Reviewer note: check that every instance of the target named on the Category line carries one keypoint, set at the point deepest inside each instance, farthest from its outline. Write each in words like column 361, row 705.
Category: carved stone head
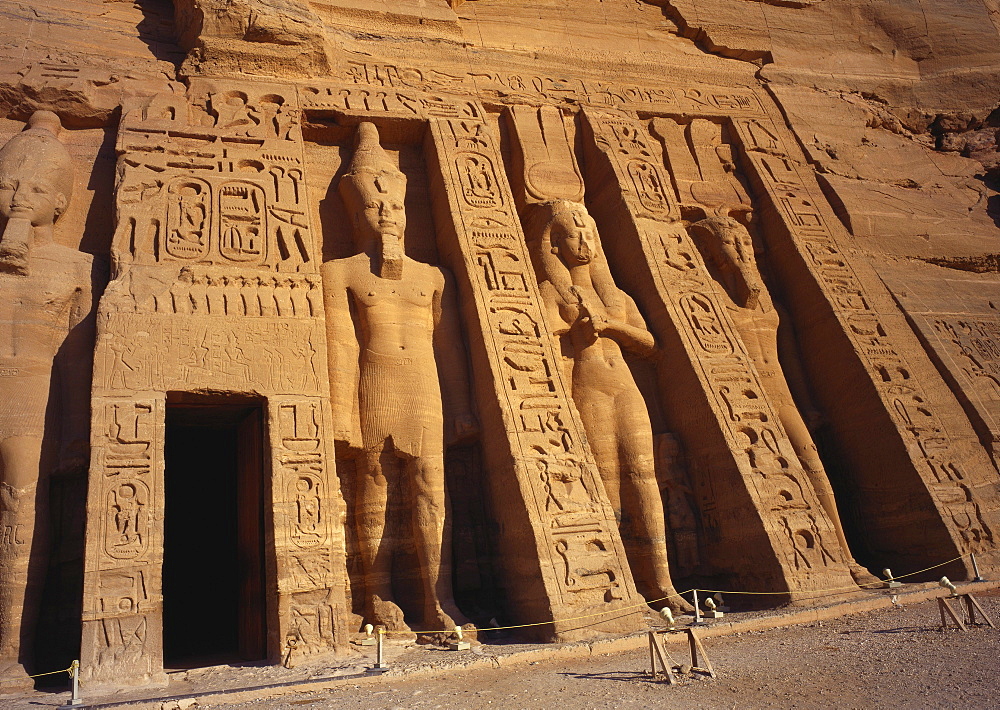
column 726, row 238
column 726, row 243
column 572, row 233
column 36, row 172
column 373, row 190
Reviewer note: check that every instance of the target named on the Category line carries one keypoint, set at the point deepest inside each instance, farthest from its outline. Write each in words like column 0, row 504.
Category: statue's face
column 26, row 195
column 737, row 239
column 575, row 233
column 381, row 209
column 384, row 215
column 732, row 240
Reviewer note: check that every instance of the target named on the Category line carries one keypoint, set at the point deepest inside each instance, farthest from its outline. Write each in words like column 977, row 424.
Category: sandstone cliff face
column 726, row 268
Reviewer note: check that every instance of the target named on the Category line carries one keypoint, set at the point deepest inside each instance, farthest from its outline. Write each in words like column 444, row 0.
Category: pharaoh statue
column 596, row 320
column 728, row 248
column 397, row 365
column 46, row 340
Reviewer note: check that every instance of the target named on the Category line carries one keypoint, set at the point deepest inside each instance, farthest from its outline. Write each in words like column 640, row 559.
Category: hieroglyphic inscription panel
column 550, row 470
column 368, row 89
column 122, row 621
column 214, row 177
column 308, row 523
column 396, row 88
column 968, row 346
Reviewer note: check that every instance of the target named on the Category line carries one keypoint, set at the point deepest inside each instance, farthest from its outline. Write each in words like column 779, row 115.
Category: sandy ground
column 891, row 658
column 894, row 658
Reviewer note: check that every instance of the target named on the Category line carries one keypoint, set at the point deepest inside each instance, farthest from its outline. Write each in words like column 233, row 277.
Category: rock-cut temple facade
column 437, row 313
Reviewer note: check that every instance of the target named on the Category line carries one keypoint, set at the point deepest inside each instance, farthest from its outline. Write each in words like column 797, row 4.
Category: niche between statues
column 469, row 534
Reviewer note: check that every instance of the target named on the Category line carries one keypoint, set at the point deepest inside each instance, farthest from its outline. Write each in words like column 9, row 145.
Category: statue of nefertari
column 395, row 348
column 728, row 248
column 596, row 320
column 46, row 345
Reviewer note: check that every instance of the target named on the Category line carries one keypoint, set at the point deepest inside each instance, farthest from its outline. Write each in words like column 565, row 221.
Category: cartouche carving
column 392, row 326
column 44, row 312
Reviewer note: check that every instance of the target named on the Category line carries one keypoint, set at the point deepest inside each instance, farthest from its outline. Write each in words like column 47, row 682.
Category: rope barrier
column 681, row 595
column 37, row 675
column 843, row 589
column 604, row 613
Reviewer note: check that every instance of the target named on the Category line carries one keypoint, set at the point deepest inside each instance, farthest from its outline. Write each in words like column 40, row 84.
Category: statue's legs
column 643, row 517
column 617, row 425
column 22, row 549
column 378, row 469
column 426, row 478
column 805, row 450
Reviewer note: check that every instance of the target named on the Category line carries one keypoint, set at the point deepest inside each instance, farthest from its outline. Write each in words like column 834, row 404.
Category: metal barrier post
column 975, row 568
column 74, row 675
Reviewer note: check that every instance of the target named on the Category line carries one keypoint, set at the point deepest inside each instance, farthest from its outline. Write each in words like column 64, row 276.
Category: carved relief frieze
column 367, row 100
column 555, row 472
column 214, row 177
column 142, row 352
column 398, row 91
column 951, row 478
column 201, row 290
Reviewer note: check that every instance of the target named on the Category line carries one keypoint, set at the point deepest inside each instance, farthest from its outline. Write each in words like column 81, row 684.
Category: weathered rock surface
column 421, row 313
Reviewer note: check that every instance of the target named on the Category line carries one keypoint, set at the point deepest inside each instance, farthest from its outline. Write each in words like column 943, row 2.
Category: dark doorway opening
column 214, row 601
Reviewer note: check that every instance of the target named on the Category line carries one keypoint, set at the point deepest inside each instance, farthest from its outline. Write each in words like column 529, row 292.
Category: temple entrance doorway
column 214, row 601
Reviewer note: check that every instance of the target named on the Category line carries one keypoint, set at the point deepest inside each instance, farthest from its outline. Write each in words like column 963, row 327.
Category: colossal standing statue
column 729, row 250
column 394, row 346
column 596, row 320
column 45, row 351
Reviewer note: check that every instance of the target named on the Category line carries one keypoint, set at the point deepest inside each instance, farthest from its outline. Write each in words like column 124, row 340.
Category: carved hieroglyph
column 44, row 329
column 215, row 287
column 596, row 321
column 774, row 497
column 385, row 389
column 561, row 549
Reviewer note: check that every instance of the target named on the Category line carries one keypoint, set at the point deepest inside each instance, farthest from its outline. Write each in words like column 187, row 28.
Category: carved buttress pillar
column 926, row 491
column 562, row 554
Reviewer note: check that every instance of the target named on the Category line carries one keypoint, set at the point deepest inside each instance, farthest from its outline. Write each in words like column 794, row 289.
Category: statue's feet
column 863, row 577
column 14, row 678
column 671, row 599
column 387, row 614
column 441, row 620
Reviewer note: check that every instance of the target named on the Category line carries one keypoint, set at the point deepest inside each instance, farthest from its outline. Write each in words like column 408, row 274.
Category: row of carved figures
column 396, row 355
column 214, row 294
